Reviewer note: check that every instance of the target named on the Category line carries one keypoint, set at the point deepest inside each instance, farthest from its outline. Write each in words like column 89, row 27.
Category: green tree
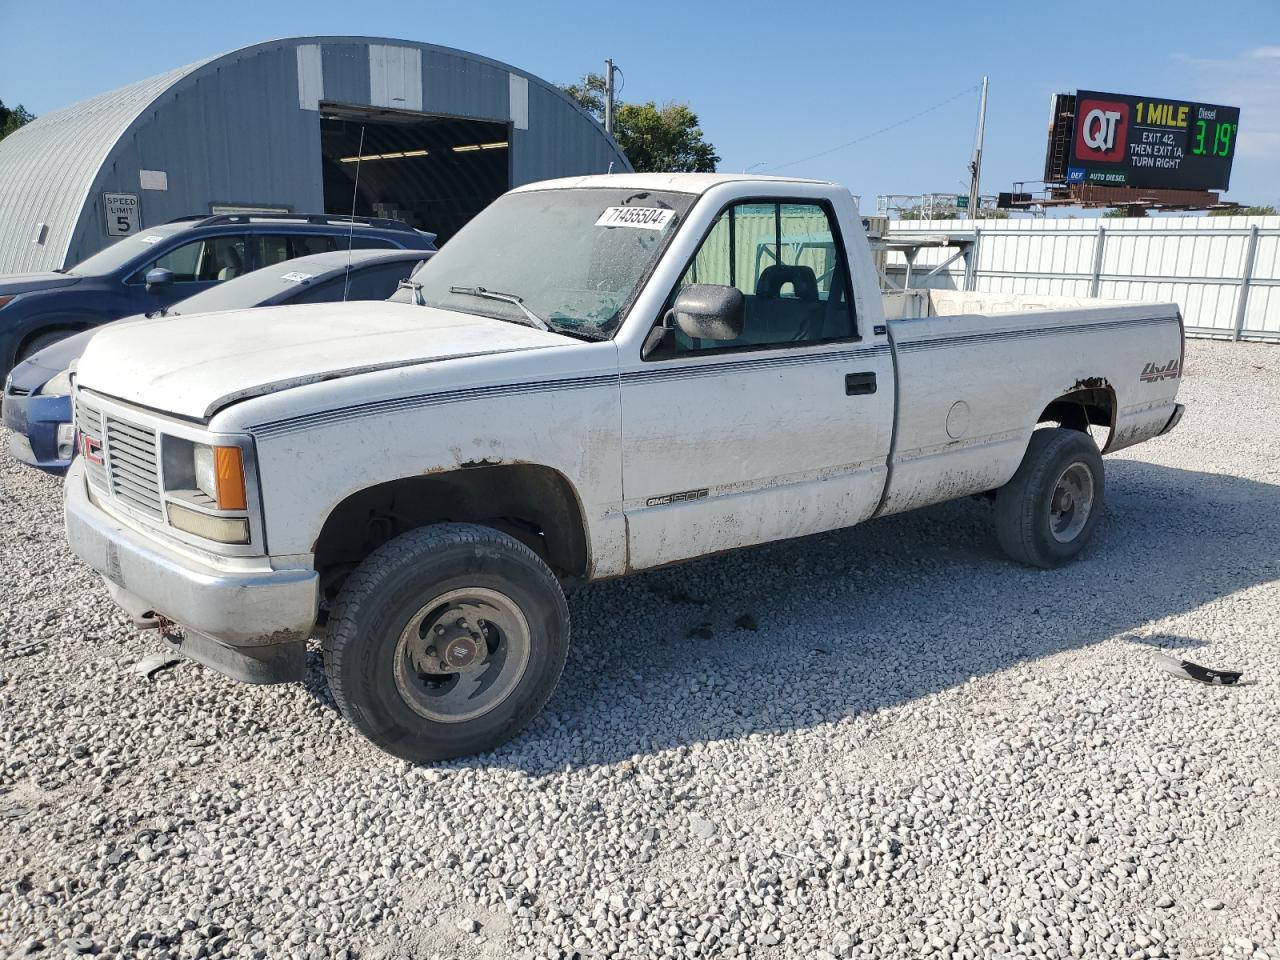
column 589, row 94
column 1264, row 211
column 656, row 139
column 12, row 119
column 664, row 139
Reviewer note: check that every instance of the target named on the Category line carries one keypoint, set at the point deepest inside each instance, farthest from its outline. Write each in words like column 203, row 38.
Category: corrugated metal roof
column 48, row 166
column 242, row 127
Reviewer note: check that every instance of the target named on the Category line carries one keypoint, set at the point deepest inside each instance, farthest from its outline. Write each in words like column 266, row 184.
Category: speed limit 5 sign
column 120, row 210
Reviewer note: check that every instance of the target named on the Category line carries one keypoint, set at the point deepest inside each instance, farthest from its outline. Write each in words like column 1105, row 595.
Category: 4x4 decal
column 1154, row 372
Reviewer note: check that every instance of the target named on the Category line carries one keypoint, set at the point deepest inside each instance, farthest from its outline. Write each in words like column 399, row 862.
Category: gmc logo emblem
column 92, row 449
column 1102, row 127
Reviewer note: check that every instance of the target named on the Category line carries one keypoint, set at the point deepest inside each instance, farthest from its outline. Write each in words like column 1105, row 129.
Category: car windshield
column 250, row 290
column 574, row 257
column 112, row 258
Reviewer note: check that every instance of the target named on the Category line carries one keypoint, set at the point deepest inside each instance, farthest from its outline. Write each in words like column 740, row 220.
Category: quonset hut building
column 278, row 127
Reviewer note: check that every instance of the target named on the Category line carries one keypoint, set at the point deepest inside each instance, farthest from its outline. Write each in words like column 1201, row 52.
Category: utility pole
column 608, row 96
column 975, row 165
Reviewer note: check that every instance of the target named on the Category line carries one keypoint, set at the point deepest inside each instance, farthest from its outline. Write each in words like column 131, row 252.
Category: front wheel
column 446, row 641
column 1046, row 513
column 39, row 342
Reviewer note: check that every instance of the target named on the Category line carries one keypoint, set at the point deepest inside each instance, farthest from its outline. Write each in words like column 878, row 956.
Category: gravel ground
column 882, row 742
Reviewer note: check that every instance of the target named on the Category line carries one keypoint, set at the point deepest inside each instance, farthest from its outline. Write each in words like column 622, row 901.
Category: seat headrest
column 802, row 279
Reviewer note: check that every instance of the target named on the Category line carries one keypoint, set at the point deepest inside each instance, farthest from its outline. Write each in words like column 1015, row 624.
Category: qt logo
column 1102, row 127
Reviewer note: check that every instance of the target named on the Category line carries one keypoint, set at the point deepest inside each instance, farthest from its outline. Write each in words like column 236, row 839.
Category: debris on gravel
column 983, row 760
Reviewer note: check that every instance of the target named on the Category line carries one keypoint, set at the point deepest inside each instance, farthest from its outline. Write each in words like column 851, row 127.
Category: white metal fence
column 1224, row 272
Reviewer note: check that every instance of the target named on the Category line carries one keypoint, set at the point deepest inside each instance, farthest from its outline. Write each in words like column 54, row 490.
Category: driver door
column 196, row 266
column 781, row 432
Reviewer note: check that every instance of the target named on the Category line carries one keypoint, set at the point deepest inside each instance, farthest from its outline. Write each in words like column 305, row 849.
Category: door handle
column 859, row 383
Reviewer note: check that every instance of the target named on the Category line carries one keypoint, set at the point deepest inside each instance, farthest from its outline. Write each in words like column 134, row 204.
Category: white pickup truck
column 595, row 377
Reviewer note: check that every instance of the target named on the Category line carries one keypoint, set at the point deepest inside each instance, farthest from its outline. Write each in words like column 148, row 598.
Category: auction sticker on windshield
column 296, row 276
column 646, row 218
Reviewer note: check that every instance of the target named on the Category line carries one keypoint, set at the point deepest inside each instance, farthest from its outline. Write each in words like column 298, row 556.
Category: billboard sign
column 1127, row 141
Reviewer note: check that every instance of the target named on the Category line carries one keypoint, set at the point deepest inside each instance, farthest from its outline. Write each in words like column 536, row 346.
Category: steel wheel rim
column 1071, row 502
column 436, row 689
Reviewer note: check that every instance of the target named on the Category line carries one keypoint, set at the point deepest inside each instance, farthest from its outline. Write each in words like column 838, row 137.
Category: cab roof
column 696, row 183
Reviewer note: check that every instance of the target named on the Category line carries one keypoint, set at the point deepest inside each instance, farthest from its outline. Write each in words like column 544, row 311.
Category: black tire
column 363, row 647
column 42, row 340
column 1024, row 516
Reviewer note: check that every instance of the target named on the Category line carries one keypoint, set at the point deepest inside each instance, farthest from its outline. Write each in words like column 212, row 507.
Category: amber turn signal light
column 228, row 472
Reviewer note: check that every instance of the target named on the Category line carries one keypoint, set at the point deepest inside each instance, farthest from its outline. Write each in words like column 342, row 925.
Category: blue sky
column 771, row 82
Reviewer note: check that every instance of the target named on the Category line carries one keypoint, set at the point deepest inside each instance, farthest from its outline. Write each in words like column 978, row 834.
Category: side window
column 275, row 248
column 787, row 261
column 211, row 259
column 272, row 249
column 304, row 245
column 366, row 243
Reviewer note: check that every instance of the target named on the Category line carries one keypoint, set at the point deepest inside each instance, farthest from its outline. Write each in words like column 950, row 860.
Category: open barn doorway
column 433, row 172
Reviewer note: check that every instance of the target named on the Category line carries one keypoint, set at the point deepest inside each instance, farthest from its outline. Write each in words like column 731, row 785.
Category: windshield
column 574, row 258
column 250, row 290
column 121, row 252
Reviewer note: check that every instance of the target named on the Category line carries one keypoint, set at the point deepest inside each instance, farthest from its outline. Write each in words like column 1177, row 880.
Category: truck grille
column 131, row 464
column 129, row 471
column 89, row 423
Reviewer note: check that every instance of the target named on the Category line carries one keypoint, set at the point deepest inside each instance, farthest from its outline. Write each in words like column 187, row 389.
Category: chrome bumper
column 251, row 625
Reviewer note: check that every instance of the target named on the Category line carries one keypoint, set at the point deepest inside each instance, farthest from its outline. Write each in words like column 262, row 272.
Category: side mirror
column 709, row 311
column 159, row 278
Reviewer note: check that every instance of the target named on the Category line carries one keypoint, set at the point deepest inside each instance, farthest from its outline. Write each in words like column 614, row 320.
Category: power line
column 875, row 133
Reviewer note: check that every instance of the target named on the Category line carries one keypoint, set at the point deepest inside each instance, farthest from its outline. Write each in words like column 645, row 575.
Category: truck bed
column 963, row 425
column 931, row 302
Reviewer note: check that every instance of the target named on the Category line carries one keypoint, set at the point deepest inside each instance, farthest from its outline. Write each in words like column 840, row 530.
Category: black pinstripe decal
column 377, row 408
column 663, row 372
column 1002, row 336
column 660, row 373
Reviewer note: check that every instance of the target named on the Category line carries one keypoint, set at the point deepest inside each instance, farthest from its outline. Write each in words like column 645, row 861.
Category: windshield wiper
column 534, row 319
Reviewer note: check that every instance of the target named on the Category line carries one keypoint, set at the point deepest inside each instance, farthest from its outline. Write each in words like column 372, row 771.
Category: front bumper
column 249, row 624
column 33, row 422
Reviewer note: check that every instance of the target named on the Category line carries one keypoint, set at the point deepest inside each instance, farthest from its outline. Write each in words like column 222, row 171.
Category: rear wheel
column 1046, row 513
column 446, row 641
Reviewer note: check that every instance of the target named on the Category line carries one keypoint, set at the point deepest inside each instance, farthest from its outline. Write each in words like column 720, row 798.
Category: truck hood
column 194, row 365
column 31, row 282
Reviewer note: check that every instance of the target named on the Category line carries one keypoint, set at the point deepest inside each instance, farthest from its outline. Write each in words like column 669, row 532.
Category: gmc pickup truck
column 595, row 377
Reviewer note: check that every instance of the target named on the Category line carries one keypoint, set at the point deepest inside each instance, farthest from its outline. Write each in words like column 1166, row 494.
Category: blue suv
column 161, row 265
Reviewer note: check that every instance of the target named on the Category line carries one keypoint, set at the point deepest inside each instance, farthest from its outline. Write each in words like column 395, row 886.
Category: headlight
column 222, row 529
column 206, row 481
column 205, row 489
column 59, row 386
column 219, row 473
